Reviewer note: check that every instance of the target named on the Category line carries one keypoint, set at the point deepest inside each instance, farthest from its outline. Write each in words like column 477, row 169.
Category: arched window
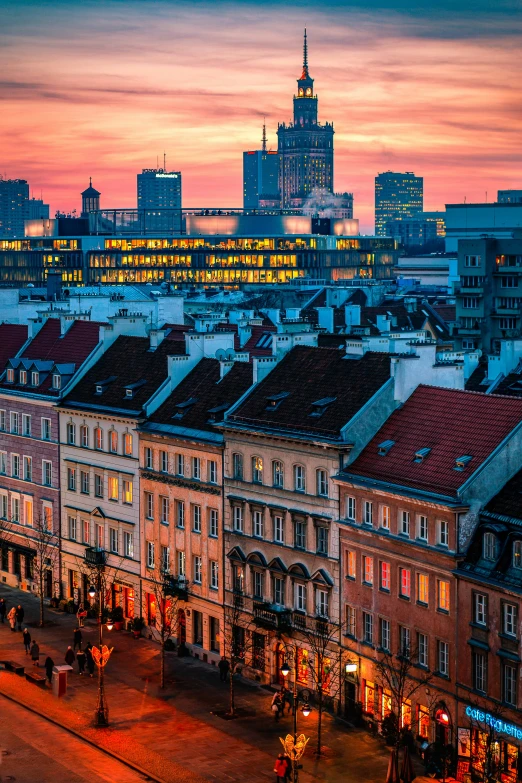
column 237, row 466
column 278, row 479
column 98, row 439
column 299, row 478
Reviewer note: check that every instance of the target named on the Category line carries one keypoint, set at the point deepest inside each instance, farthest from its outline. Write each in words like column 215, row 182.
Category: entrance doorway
column 48, row 583
column 182, row 627
column 349, row 699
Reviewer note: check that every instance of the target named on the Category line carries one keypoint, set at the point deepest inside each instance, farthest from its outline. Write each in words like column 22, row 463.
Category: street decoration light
column 294, row 745
column 101, row 653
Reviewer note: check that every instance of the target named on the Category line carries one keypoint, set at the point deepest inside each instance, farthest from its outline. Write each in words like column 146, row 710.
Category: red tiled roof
column 306, row 376
column 203, row 385
column 257, row 334
column 452, row 424
column 75, row 346
column 12, row 337
column 448, row 313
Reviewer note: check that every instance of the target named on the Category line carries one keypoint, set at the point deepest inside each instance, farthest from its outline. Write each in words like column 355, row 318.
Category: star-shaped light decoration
column 294, row 751
column 101, row 656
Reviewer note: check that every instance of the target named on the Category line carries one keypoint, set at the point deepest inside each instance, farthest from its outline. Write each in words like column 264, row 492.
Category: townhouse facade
column 284, row 442
column 409, row 507
column 181, row 468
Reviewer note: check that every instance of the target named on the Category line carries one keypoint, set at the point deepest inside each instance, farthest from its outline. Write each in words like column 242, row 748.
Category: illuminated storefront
column 488, row 747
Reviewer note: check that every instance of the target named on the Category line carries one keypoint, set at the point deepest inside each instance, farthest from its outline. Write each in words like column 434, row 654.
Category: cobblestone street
column 174, row 731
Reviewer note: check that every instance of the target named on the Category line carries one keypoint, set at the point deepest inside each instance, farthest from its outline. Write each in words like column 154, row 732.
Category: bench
column 12, row 666
column 36, row 677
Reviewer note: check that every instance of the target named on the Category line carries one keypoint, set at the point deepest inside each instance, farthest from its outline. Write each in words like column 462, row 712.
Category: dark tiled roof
column 448, row 313
column 175, row 331
column 327, row 340
column 260, row 344
column 129, row 360
column 308, row 375
column 508, row 502
column 203, row 385
column 474, row 382
column 358, row 298
column 399, row 313
column 511, row 385
column 12, row 337
column 452, row 424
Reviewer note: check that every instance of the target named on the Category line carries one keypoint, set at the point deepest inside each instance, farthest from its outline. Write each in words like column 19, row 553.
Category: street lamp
column 101, row 654
column 297, row 747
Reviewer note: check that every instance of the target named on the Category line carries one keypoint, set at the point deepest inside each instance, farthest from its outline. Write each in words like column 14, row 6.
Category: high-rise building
column 305, row 147
column 397, row 196
column 90, row 200
column 35, row 209
column 14, row 193
column 261, row 177
column 159, row 199
column 509, row 197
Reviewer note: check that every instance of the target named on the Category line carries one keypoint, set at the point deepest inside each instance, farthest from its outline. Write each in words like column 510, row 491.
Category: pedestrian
column 77, row 638
column 81, row 615
column 12, row 618
column 49, row 666
column 27, row 641
column 90, row 659
column 286, row 698
column 280, row 768
column 223, row 667
column 70, row 656
column 288, row 771
column 20, row 616
column 3, row 610
column 81, row 660
column 277, row 705
column 35, row 653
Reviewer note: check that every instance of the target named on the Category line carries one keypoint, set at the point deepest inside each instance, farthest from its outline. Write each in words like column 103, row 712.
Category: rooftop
column 128, row 365
column 203, row 396
column 445, row 422
column 12, row 338
column 314, row 390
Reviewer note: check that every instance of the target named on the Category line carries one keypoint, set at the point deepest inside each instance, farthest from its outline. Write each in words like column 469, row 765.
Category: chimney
column 224, row 367
column 156, row 338
column 54, row 285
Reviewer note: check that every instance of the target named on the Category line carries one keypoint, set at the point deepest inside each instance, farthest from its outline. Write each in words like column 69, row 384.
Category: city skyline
column 88, row 94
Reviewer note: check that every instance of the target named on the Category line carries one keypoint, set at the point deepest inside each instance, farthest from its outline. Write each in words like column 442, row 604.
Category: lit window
column 385, row 576
column 368, row 570
column 423, row 589
column 113, row 488
column 350, row 564
column 113, row 441
column 385, row 517
column 127, row 444
column 443, row 590
column 257, row 470
column 405, row 588
column 98, row 439
column 127, row 492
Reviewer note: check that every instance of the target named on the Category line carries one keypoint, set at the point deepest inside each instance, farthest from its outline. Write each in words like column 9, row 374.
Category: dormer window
column 132, row 388
column 275, row 400
column 35, row 378
column 57, row 381
column 99, row 388
column 217, row 413
column 129, row 393
column 461, row 463
column 23, row 377
column 384, row 447
column 421, row 455
column 320, row 406
column 517, row 554
column 10, row 376
column 489, row 549
column 183, row 407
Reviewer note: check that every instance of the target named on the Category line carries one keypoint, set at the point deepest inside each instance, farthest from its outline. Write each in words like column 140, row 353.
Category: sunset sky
column 102, row 87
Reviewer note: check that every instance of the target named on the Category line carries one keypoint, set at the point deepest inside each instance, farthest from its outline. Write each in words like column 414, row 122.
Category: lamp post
column 298, row 745
column 101, row 655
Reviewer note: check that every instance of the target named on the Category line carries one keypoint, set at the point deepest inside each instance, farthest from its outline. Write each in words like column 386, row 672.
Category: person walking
column 223, row 667
column 49, row 666
column 288, row 771
column 26, row 637
column 277, row 706
column 286, row 699
column 81, row 660
column 70, row 656
column 77, row 639
column 280, row 768
column 81, row 615
column 35, row 653
column 20, row 614
column 3, row 610
column 90, row 659
column 12, row 618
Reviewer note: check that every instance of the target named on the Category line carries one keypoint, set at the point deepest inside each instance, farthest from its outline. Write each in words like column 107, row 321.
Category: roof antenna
column 157, row 162
column 164, row 161
column 263, row 139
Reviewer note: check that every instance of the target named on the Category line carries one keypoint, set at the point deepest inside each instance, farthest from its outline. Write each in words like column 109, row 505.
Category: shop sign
column 496, row 723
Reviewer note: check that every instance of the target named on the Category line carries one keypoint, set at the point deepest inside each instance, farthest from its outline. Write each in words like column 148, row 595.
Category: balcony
column 95, row 556
column 176, row 587
column 272, row 617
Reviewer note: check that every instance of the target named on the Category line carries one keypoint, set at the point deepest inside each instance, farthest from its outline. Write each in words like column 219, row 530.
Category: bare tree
column 324, row 663
column 47, row 553
column 237, row 640
column 168, row 592
column 401, row 678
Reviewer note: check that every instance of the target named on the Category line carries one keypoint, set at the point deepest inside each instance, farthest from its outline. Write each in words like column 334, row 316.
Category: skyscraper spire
column 263, row 138
column 305, row 57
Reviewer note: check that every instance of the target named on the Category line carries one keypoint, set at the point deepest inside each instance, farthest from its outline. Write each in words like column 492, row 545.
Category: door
column 48, row 583
column 349, row 699
column 182, row 627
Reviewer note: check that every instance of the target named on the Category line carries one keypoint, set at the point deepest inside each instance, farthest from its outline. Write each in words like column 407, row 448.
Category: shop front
column 488, row 748
column 123, row 595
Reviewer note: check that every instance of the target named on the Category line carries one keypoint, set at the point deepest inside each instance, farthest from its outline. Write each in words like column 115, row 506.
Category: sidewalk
column 175, row 726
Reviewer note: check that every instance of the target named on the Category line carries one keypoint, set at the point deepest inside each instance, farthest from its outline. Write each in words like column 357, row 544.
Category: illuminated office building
column 397, row 196
column 305, row 147
column 159, row 189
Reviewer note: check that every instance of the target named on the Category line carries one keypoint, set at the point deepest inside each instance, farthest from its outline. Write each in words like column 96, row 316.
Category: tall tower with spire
column 305, row 146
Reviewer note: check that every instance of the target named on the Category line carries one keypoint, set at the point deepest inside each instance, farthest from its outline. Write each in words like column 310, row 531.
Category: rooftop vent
column 384, row 447
column 461, row 463
column 421, row 455
column 319, row 406
column 183, row 407
column 275, row 400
